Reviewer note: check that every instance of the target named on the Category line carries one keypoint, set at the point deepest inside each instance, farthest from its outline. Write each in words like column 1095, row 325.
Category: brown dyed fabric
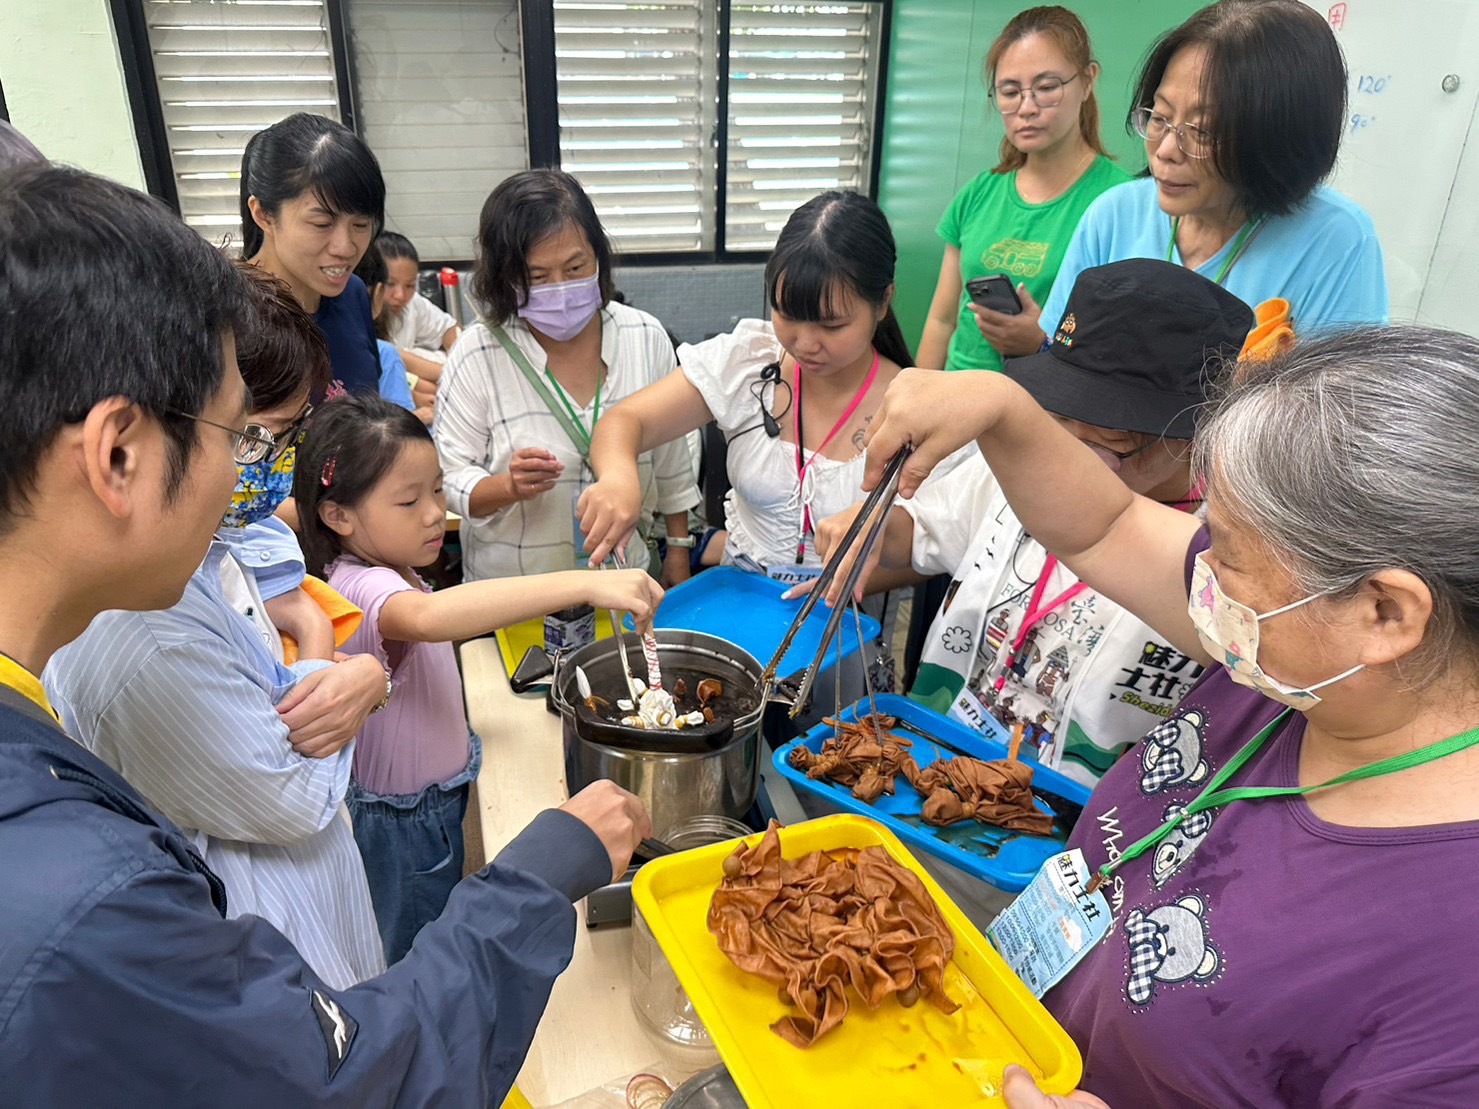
column 963, row 788
column 865, row 755
column 830, row 920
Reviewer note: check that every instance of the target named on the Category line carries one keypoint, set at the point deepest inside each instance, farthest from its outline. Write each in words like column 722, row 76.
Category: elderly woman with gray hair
column 1288, row 858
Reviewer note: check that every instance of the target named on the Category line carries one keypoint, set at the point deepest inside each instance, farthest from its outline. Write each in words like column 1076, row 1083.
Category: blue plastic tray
column 747, row 610
column 1007, row 860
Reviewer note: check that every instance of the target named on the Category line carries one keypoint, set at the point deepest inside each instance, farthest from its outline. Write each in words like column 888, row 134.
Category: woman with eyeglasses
column 1242, row 109
column 1016, row 219
column 198, row 707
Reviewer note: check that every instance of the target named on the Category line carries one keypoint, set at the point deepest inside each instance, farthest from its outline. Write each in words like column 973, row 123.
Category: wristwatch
column 680, row 540
column 385, row 700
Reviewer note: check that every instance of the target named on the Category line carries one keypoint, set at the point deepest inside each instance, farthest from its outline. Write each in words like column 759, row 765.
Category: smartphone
column 995, row 292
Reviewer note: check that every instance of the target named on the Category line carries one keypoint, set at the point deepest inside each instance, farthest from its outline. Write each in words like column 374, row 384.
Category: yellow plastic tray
column 892, row 1056
column 514, row 641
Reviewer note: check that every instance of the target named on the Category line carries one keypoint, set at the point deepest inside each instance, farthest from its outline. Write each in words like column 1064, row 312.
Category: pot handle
column 534, row 668
column 557, row 672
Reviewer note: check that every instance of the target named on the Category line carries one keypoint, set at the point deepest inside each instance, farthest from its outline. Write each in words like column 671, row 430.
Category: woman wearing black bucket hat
column 1019, row 638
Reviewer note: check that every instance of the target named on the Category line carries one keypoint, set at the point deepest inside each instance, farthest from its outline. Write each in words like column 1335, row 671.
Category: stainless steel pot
column 709, row 771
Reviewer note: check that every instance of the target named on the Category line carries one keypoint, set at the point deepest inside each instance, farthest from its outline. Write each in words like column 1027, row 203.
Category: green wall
column 940, row 131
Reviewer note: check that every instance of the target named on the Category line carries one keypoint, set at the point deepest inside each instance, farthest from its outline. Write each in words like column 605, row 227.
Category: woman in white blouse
column 525, row 387
column 792, row 395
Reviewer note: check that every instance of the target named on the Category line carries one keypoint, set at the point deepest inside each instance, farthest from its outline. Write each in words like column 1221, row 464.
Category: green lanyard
column 564, row 413
column 585, row 433
column 1213, row 795
column 1245, row 233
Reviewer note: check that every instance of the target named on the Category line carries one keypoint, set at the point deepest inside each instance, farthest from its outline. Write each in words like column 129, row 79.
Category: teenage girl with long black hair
column 793, row 395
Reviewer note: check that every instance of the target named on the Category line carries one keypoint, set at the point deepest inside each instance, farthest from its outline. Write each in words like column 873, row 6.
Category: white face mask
column 1228, row 630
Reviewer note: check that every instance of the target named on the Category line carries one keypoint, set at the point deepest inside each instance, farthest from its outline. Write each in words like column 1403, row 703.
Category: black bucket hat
column 1136, row 349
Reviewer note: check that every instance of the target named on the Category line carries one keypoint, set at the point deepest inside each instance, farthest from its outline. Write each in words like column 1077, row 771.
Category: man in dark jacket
column 121, row 983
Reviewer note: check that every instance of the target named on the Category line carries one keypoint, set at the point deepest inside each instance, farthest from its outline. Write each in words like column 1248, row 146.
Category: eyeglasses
column 248, row 445
column 1125, row 456
column 1046, row 93
column 1152, row 127
column 292, row 435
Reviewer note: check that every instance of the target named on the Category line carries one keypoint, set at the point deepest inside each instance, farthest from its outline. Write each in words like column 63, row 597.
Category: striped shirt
column 180, row 702
column 486, row 410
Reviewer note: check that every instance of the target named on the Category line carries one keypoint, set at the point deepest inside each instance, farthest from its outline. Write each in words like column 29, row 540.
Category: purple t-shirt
column 1260, row 956
column 420, row 738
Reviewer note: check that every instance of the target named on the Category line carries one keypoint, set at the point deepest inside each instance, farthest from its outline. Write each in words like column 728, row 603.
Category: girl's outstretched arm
column 479, row 607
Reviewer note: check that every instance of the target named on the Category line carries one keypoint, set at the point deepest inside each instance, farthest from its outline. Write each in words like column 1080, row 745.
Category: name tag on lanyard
column 1052, row 924
column 582, row 556
column 791, row 574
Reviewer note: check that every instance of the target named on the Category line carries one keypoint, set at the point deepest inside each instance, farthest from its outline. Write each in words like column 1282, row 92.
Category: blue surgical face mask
column 260, row 488
column 562, row 310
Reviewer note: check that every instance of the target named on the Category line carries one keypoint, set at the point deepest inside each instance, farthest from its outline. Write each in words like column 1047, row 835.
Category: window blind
column 636, row 87
column 439, row 91
column 802, row 96
column 227, row 69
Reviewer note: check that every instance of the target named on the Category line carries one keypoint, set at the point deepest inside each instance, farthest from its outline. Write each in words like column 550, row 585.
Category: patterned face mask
column 260, row 488
column 1228, row 630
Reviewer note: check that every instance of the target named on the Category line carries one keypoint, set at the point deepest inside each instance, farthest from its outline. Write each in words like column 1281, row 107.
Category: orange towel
column 1272, row 334
column 345, row 616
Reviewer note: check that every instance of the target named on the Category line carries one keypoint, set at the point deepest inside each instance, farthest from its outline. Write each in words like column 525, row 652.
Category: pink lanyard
column 803, row 466
column 1193, row 498
column 1036, row 610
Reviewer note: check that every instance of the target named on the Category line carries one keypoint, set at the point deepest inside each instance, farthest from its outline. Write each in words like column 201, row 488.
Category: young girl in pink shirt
column 369, row 493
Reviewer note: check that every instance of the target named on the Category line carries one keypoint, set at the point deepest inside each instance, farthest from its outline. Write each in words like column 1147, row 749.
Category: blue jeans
column 412, row 847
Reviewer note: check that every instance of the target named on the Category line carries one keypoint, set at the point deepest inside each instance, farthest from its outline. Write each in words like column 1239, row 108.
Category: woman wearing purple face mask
column 1285, row 856
column 525, row 386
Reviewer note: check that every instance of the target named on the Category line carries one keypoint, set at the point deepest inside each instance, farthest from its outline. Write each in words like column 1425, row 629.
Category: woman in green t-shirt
column 1016, row 219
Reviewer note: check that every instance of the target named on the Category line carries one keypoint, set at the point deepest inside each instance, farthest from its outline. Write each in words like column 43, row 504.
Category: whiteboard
column 1414, row 86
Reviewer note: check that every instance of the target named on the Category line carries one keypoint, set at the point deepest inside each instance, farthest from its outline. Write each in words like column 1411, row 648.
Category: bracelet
column 385, row 700
column 680, row 540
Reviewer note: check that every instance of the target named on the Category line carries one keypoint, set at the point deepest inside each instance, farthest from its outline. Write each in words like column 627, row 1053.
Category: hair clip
column 326, row 476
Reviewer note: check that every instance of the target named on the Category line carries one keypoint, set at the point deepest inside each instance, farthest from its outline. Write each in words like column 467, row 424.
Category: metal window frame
column 541, row 112
column 142, row 85
column 141, row 82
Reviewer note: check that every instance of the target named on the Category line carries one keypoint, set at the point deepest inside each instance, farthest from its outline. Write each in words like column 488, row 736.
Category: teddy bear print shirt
column 1259, row 955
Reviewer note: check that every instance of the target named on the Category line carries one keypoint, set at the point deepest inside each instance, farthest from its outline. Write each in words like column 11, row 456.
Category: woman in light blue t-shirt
column 1242, row 109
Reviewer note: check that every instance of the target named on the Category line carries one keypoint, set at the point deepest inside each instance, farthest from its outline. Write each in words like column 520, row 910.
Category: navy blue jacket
column 121, row 983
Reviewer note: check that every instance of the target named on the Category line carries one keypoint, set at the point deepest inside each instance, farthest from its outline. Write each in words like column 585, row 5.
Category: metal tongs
column 876, row 509
column 618, row 561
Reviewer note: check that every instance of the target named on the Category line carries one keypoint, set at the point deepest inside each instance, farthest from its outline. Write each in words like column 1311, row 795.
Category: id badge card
column 582, row 556
column 970, row 710
column 792, row 574
column 1052, row 924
